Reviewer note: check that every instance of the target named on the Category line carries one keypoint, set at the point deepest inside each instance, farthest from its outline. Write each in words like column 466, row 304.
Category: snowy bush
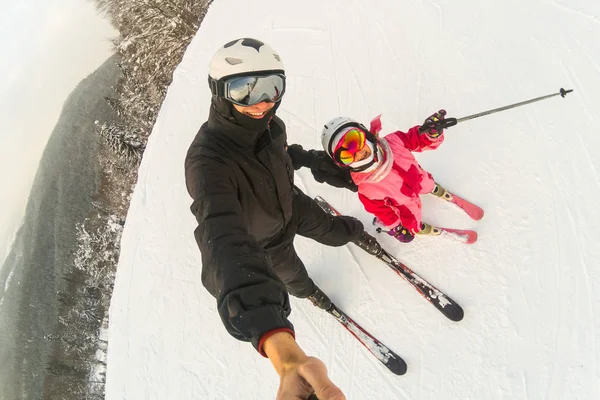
column 153, row 37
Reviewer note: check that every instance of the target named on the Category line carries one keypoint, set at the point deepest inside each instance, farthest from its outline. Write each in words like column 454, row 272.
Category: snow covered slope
column 530, row 286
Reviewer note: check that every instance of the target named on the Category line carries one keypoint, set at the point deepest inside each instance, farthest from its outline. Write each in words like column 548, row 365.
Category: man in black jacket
column 240, row 175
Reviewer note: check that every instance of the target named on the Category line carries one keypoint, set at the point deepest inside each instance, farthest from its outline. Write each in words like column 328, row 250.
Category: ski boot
column 368, row 243
column 440, row 192
column 429, row 230
column 320, row 299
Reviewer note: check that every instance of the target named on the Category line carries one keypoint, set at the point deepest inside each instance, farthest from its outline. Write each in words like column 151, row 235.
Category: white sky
column 47, row 48
column 530, row 286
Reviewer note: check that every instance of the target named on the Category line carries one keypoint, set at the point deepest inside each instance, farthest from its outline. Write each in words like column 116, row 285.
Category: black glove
column 323, row 168
column 428, row 126
column 368, row 243
column 300, row 157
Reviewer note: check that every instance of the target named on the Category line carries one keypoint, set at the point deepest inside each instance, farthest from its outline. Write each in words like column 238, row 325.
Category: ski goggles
column 348, row 146
column 250, row 90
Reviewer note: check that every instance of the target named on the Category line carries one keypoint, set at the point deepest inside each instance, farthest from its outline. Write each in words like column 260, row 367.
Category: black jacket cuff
column 256, row 322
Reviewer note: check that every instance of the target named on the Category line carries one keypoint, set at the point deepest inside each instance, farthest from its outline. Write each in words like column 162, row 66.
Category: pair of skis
column 433, row 295
column 462, row 235
column 473, row 211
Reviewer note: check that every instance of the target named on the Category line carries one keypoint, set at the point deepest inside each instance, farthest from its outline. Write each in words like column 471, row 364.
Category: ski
column 473, row 211
column 436, row 297
column 387, row 357
column 462, row 235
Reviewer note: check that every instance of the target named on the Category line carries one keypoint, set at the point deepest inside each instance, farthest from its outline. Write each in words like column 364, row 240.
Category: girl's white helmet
column 244, row 56
column 334, row 130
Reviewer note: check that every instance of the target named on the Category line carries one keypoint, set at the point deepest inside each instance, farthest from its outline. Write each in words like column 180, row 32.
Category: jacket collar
column 222, row 119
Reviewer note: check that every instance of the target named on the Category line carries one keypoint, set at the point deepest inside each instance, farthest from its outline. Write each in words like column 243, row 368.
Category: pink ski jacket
column 391, row 192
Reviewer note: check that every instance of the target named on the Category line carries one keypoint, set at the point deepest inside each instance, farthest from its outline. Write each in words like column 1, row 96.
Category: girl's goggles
column 348, row 146
column 251, row 90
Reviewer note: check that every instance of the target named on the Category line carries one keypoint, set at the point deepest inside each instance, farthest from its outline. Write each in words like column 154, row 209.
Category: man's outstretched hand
column 299, row 381
column 300, row 375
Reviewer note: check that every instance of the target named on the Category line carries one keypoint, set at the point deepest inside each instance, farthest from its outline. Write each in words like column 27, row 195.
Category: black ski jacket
column 241, row 183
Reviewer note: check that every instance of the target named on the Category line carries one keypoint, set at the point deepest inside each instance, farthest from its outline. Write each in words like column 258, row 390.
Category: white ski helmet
column 243, row 56
column 334, row 130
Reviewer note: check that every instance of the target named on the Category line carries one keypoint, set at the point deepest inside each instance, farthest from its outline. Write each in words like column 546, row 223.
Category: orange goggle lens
column 352, row 142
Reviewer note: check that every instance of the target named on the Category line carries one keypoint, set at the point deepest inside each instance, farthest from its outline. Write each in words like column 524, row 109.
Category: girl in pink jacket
column 388, row 177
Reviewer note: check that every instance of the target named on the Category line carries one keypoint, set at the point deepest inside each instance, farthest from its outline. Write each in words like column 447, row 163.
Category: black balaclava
column 226, row 110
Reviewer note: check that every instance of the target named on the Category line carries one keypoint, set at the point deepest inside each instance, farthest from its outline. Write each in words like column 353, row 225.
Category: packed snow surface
column 530, row 286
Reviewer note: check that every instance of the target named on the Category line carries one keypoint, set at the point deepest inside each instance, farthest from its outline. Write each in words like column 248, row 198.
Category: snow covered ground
column 530, row 286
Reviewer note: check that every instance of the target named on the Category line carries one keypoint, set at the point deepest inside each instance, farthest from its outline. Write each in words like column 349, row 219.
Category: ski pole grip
column 448, row 122
column 443, row 124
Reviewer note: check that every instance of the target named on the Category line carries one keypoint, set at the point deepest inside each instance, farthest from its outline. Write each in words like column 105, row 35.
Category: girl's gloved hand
column 401, row 234
column 429, row 126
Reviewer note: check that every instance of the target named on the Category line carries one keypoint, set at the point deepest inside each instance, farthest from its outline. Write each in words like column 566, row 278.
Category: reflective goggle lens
column 351, row 143
column 250, row 90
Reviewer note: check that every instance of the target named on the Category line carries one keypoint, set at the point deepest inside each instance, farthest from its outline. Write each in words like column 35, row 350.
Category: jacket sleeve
column 251, row 300
column 414, row 141
column 390, row 213
column 322, row 167
column 382, row 209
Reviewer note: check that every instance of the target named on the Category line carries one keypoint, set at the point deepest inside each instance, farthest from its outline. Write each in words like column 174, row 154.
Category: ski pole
column 448, row 122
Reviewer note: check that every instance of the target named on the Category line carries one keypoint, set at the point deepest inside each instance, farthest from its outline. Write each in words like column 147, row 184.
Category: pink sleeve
column 414, row 141
column 390, row 213
column 384, row 212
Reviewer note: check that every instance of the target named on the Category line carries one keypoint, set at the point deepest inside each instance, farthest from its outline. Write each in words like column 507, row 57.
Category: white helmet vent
column 244, row 56
column 233, row 61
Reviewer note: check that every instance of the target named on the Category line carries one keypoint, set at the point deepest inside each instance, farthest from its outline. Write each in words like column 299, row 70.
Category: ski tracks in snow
column 592, row 18
column 440, row 11
column 580, row 257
